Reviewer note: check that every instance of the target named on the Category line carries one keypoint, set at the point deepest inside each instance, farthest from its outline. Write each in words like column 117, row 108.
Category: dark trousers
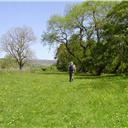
column 70, row 76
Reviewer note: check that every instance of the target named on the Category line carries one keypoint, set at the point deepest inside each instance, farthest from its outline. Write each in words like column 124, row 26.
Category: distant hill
column 39, row 62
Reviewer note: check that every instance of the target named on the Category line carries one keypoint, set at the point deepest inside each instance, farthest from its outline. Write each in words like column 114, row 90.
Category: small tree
column 16, row 42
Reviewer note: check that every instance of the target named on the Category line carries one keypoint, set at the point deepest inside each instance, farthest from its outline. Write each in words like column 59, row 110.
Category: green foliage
column 93, row 35
column 8, row 62
column 43, row 69
column 40, row 100
column 115, row 33
column 63, row 57
column 51, row 68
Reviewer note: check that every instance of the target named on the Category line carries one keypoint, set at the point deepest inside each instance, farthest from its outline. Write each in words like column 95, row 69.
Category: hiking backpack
column 71, row 68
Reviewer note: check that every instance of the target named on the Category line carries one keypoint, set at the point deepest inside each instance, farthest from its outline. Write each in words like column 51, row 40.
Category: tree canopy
column 93, row 34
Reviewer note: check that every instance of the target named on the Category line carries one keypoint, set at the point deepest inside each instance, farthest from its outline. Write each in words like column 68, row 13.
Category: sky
column 34, row 14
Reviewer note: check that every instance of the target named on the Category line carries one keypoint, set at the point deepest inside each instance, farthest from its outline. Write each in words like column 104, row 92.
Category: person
column 71, row 69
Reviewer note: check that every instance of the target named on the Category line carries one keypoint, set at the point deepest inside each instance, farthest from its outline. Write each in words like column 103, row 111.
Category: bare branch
column 16, row 42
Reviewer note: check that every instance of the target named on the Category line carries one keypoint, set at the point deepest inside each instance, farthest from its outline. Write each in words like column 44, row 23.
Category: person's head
column 71, row 63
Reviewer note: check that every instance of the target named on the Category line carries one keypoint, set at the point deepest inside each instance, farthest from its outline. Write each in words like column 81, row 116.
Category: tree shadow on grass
column 84, row 76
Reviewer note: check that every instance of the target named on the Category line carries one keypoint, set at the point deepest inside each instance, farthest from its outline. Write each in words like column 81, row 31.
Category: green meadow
column 48, row 100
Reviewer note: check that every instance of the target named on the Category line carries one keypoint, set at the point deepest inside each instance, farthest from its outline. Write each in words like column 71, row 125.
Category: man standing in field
column 71, row 69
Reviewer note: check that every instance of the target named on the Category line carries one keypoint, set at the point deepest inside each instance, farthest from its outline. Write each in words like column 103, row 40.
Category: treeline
column 92, row 34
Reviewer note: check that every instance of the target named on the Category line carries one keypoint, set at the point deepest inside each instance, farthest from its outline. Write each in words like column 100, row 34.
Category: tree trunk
column 21, row 64
column 100, row 69
column 116, row 68
column 20, row 67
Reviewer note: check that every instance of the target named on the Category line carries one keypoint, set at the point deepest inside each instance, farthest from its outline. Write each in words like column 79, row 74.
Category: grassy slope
column 50, row 101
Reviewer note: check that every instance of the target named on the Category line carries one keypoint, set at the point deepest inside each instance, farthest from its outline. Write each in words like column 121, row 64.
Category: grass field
column 37, row 100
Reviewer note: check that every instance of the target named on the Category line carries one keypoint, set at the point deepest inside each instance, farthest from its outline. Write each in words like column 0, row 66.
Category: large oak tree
column 84, row 20
column 16, row 42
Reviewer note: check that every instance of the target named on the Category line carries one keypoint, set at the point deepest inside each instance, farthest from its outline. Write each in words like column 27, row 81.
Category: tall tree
column 58, row 33
column 16, row 42
column 63, row 57
column 85, row 20
column 115, row 34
